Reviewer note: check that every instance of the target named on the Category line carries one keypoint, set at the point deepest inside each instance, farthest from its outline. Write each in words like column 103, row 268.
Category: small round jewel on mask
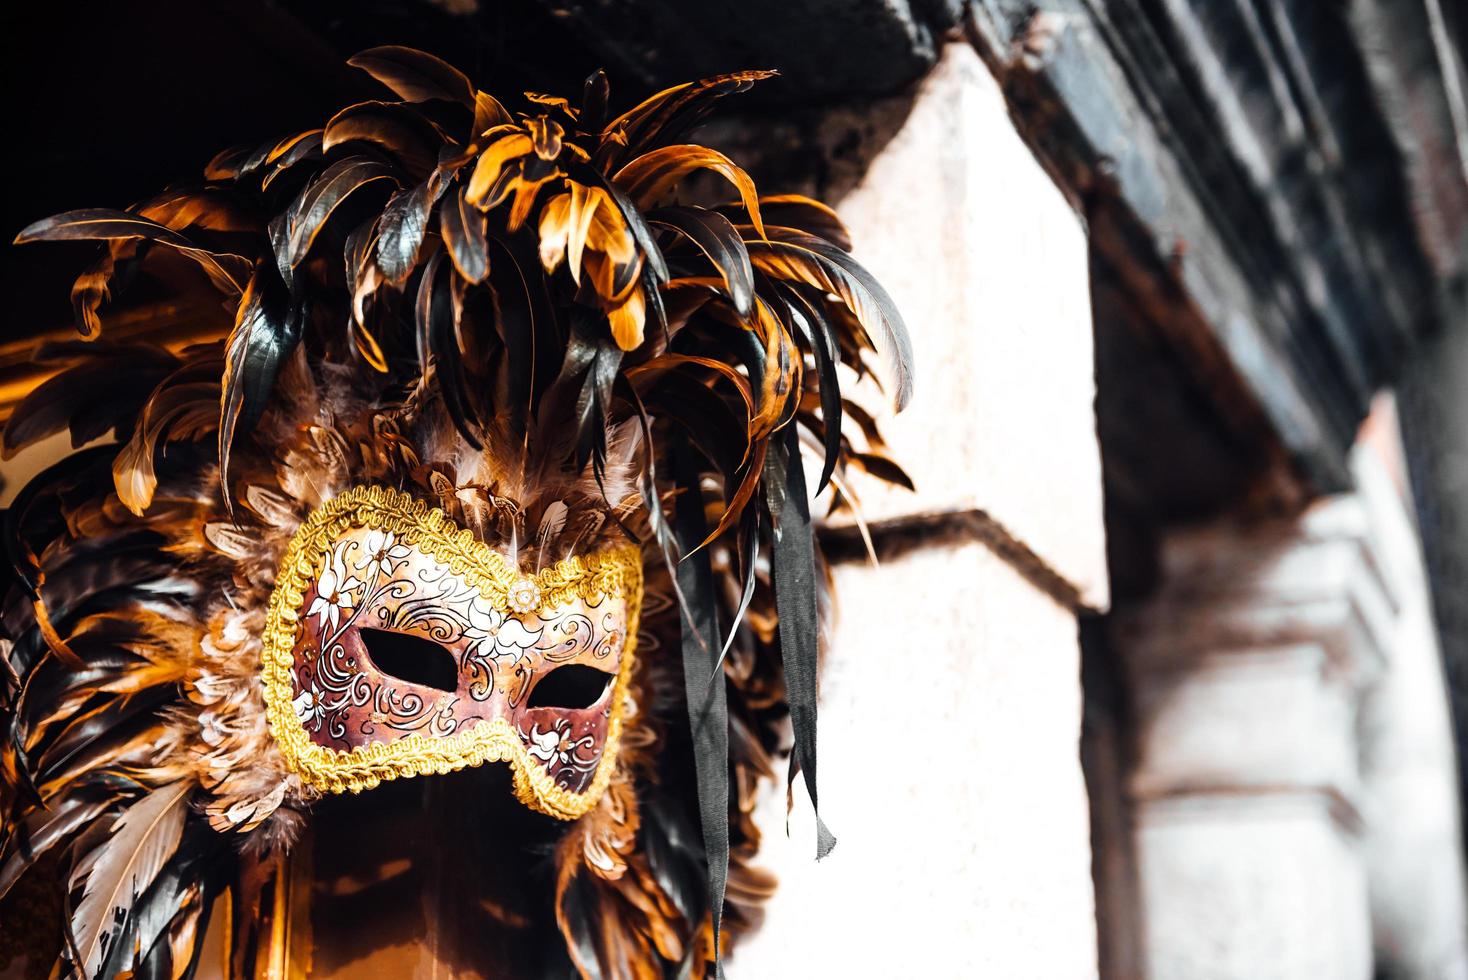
column 524, row 596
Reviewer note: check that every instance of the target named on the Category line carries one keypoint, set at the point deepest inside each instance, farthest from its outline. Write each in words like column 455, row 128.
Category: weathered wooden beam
column 1235, row 161
column 823, row 48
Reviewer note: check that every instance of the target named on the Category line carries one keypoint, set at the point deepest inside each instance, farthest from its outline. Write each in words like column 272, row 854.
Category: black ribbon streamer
column 794, row 567
column 708, row 712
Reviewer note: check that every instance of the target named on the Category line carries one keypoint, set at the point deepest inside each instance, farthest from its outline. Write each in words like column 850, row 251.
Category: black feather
column 819, row 336
column 401, row 230
column 462, row 227
column 707, row 704
column 225, row 270
column 316, row 202
column 793, row 567
column 718, row 239
column 414, row 76
column 267, row 329
column 440, row 340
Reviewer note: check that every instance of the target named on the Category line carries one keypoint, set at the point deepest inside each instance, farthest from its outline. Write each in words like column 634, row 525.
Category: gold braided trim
column 614, row 572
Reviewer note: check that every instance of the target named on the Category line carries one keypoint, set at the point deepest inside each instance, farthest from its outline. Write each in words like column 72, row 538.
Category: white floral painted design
column 492, row 633
column 381, row 553
column 309, row 709
column 336, row 591
column 557, row 746
column 484, row 620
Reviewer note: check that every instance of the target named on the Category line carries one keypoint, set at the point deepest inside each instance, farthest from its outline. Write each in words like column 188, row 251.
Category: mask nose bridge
column 497, row 706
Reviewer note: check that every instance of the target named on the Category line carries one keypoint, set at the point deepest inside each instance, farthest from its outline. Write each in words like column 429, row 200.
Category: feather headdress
column 508, row 315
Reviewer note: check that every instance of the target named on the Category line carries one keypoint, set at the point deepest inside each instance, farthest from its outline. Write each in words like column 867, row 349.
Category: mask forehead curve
column 505, row 629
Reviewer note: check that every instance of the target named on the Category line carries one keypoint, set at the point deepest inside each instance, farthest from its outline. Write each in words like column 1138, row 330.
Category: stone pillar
column 1413, row 823
column 1433, row 397
column 1293, row 783
column 1246, row 673
column 951, row 701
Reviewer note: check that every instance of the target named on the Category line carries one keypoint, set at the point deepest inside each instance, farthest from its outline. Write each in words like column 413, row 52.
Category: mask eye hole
column 571, row 686
column 410, row 658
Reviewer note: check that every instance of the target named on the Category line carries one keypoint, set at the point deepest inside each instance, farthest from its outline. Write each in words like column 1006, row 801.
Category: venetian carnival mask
column 513, row 312
column 397, row 644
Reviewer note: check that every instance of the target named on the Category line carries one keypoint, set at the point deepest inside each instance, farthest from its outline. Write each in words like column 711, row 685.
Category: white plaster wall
column 950, row 775
column 988, row 264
